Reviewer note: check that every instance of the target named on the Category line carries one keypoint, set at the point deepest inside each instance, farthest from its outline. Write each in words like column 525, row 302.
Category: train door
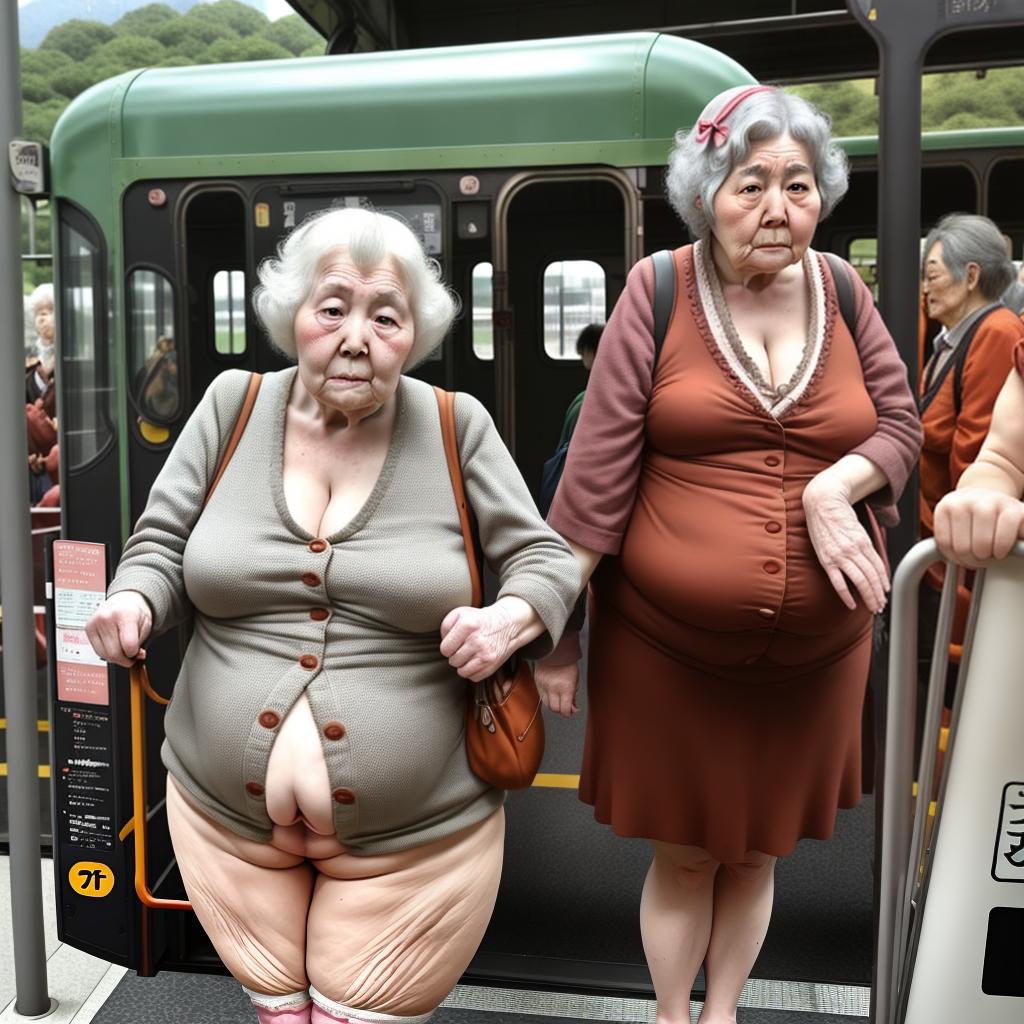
column 564, row 242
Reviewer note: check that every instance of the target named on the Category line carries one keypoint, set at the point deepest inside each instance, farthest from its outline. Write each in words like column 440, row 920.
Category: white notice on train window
column 1009, row 859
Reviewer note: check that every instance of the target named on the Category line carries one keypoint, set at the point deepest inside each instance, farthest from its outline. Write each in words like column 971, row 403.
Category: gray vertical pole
column 16, row 561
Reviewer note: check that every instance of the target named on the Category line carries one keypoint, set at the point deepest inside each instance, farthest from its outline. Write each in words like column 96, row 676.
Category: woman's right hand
column 119, row 628
column 976, row 524
column 558, row 685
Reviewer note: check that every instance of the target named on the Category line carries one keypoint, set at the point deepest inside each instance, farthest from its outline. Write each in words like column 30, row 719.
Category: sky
column 275, row 8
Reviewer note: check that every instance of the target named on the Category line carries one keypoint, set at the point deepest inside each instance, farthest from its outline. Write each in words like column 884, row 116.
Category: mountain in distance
column 37, row 17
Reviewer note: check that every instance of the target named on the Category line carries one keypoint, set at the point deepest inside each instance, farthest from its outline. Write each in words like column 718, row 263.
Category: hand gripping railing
column 903, row 871
column 140, row 689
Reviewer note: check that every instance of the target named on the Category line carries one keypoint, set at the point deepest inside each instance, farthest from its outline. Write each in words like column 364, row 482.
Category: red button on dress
column 311, row 579
column 772, row 526
column 308, row 661
column 334, row 731
column 766, row 613
column 319, row 614
column 344, row 796
column 317, row 546
column 254, row 789
column 771, row 567
column 269, row 719
column 772, row 460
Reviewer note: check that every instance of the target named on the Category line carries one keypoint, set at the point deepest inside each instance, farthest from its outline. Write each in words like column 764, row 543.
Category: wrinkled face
column 767, row 209
column 353, row 335
column 945, row 298
column 44, row 322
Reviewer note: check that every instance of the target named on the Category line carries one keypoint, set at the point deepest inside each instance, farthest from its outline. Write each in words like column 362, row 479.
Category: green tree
column 227, row 51
column 70, row 81
column 852, row 106
column 190, row 35
column 38, row 119
column 77, row 38
column 294, row 34
column 126, row 52
column 229, row 14
column 35, row 88
column 144, row 21
column 43, row 62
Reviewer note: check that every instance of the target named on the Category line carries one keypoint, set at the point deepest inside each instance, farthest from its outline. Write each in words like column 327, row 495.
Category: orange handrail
column 140, row 688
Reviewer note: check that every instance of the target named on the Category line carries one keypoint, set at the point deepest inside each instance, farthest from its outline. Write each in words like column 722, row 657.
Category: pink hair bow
column 715, row 130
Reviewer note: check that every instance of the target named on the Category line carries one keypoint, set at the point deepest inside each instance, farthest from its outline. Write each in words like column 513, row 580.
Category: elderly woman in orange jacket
column 964, row 272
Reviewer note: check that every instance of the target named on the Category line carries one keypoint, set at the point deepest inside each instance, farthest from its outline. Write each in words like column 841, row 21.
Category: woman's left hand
column 843, row 546
column 477, row 641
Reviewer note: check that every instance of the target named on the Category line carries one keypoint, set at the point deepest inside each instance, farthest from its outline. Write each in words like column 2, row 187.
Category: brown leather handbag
column 504, row 725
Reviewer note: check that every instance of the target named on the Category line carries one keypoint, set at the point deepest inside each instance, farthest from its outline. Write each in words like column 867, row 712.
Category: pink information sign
column 79, row 586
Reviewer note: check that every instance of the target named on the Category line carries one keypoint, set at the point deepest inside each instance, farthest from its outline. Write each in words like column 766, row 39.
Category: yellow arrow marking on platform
column 549, row 781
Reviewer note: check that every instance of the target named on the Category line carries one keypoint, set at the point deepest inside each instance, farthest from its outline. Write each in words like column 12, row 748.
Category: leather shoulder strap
column 664, row 298
column 236, row 435
column 844, row 292
column 446, row 410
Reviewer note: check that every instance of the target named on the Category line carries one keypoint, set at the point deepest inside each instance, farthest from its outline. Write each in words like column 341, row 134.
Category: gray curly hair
column 697, row 170
column 368, row 238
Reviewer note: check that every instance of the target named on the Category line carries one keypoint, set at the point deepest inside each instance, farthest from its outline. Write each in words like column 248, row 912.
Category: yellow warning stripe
column 44, row 770
column 42, row 725
column 549, row 781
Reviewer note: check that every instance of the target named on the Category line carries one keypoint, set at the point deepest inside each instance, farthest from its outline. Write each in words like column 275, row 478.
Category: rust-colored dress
column 726, row 679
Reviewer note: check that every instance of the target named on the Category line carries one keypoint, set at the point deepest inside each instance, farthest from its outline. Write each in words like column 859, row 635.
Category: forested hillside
column 80, row 53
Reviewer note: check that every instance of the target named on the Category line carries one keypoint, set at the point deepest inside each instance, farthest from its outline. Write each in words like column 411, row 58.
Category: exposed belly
column 298, row 790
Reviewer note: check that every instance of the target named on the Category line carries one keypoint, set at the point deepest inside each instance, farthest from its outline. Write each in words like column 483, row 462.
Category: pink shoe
column 286, row 1015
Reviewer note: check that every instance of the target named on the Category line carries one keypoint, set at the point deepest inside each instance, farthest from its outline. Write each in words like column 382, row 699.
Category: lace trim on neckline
column 725, row 343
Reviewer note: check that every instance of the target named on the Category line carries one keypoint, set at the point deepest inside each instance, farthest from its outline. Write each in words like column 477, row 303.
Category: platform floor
column 91, row 990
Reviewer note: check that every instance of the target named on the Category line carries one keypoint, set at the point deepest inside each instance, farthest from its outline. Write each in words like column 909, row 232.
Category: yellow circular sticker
column 88, row 878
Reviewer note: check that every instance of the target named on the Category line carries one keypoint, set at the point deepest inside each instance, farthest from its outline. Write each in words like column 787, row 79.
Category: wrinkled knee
column 753, row 868
column 685, row 866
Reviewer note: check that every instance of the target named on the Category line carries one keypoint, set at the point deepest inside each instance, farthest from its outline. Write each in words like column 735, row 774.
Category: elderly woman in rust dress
column 720, row 496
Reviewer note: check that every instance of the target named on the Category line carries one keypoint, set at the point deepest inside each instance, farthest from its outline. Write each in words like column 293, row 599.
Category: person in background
column 964, row 272
column 728, row 503
column 586, row 348
column 1013, row 297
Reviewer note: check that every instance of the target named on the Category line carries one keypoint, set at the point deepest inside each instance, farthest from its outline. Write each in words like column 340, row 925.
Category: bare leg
column 675, row 921
column 389, row 935
column 743, row 908
column 251, row 898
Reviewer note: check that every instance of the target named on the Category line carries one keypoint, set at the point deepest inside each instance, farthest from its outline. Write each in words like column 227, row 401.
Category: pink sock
column 286, row 1015
column 321, row 1016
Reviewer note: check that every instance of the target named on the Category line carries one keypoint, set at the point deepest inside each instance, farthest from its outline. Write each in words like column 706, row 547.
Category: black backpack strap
column 664, row 298
column 844, row 292
column 960, row 357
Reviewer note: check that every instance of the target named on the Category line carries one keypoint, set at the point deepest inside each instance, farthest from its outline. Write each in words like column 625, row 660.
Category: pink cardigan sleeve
column 595, row 496
column 896, row 443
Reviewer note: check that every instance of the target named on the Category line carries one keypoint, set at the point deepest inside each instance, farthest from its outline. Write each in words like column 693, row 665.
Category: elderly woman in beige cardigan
column 332, row 839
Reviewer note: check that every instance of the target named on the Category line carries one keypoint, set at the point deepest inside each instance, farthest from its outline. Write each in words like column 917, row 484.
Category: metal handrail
column 902, row 872
column 140, row 689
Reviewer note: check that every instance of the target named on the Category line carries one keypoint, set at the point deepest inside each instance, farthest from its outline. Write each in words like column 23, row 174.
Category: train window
column 483, row 300
column 863, row 256
column 229, row 312
column 151, row 346
column 574, row 296
column 88, row 397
